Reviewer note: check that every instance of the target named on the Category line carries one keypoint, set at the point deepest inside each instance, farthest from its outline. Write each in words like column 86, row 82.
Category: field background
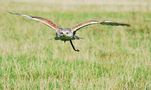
column 110, row 58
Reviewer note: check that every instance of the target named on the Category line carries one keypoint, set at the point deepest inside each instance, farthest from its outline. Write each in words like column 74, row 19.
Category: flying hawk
column 68, row 34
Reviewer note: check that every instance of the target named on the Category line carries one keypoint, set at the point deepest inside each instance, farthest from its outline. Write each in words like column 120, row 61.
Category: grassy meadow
column 110, row 58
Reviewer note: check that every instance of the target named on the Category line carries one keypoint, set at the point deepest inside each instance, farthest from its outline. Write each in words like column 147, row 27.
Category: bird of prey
column 68, row 34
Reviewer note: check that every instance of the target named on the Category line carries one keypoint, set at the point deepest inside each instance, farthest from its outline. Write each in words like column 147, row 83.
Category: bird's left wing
column 39, row 19
column 90, row 22
column 84, row 24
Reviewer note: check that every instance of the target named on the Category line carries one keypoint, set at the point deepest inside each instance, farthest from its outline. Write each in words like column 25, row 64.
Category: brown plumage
column 69, row 34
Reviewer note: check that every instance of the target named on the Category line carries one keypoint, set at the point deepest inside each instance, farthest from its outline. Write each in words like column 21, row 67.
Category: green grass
column 110, row 58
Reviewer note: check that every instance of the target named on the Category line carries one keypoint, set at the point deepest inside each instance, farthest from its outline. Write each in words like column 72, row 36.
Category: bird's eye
column 61, row 32
column 66, row 32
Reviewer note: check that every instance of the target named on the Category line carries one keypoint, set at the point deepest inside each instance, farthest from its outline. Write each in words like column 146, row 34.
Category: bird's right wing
column 39, row 19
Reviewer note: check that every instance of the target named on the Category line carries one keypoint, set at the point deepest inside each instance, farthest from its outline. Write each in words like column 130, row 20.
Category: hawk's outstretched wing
column 39, row 19
column 90, row 22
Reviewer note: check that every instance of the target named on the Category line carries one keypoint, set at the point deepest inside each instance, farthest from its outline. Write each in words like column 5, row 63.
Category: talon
column 76, row 50
column 74, row 47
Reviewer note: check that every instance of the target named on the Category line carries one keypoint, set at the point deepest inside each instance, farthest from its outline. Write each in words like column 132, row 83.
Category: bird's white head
column 65, row 32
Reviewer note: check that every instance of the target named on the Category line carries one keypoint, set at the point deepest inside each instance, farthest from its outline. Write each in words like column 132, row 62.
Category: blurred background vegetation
column 110, row 58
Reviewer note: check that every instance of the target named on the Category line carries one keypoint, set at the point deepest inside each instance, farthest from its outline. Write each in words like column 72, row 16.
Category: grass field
column 110, row 58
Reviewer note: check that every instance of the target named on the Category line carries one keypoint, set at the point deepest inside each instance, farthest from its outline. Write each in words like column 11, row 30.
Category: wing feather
column 84, row 24
column 39, row 19
column 90, row 22
column 114, row 23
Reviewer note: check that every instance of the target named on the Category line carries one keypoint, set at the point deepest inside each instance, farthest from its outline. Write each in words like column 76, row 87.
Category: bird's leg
column 73, row 46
